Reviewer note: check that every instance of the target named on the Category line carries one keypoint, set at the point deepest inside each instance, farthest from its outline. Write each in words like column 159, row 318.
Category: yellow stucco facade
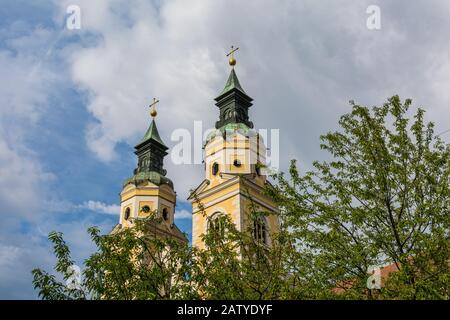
column 155, row 198
column 231, row 187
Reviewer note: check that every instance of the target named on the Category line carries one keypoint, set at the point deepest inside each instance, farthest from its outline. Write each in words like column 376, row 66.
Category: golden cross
column 153, row 112
column 232, row 60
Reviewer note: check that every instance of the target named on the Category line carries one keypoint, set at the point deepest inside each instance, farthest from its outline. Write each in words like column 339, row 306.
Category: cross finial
column 152, row 106
column 232, row 60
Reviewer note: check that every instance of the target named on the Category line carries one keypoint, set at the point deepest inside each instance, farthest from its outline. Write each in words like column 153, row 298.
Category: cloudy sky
column 73, row 102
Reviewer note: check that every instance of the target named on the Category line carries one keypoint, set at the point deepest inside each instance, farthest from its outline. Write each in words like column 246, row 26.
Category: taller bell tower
column 234, row 155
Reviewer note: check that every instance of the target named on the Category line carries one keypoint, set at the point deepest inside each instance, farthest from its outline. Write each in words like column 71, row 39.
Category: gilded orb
column 232, row 61
column 153, row 113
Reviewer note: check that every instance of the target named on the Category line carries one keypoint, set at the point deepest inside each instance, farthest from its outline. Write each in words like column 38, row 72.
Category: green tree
column 126, row 265
column 131, row 265
column 238, row 265
column 382, row 199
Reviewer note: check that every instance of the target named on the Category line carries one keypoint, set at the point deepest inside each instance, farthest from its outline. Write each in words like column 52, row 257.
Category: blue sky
column 73, row 102
column 70, row 173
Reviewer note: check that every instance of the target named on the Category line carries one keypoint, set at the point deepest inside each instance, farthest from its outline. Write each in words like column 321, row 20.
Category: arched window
column 260, row 230
column 215, row 168
column 216, row 223
column 165, row 214
column 127, row 213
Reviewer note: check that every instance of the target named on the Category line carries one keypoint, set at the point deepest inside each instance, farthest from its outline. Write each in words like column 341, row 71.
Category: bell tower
column 149, row 192
column 234, row 159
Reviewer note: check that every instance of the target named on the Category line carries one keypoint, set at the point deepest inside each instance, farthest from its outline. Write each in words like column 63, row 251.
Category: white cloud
column 20, row 253
column 301, row 61
column 8, row 254
column 29, row 79
column 183, row 214
column 100, row 207
column 26, row 82
column 15, row 270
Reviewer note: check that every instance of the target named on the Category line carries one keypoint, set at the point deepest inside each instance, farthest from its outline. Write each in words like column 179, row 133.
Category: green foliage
column 382, row 199
column 49, row 287
column 126, row 265
column 236, row 266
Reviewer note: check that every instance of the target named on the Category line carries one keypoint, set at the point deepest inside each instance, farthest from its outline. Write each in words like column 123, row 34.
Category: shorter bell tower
column 149, row 192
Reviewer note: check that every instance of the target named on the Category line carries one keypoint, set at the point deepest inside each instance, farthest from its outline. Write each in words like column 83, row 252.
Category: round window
column 237, row 163
column 145, row 209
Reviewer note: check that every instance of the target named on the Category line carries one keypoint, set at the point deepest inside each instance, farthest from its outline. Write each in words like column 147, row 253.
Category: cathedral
column 234, row 169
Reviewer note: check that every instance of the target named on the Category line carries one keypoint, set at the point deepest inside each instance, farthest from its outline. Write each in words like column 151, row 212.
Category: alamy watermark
column 374, row 280
column 73, row 20
column 73, row 282
column 373, row 21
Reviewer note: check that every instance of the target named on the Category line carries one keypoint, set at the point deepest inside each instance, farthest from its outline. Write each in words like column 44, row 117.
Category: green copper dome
column 152, row 176
column 231, row 128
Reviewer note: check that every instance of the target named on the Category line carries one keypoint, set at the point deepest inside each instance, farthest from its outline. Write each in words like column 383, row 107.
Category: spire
column 232, row 83
column 233, row 102
column 152, row 134
column 151, row 150
column 152, row 131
